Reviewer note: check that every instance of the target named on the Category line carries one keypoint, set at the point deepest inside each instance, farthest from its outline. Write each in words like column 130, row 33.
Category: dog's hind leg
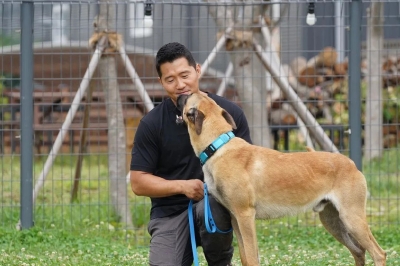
column 356, row 224
column 330, row 219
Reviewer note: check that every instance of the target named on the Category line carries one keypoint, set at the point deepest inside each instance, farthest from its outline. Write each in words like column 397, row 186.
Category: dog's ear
column 198, row 121
column 229, row 119
column 197, row 117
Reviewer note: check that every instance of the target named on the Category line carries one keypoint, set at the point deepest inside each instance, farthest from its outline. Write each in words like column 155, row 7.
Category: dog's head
column 198, row 108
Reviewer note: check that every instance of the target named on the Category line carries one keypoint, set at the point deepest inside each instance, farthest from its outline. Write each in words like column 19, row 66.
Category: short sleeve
column 145, row 150
column 242, row 127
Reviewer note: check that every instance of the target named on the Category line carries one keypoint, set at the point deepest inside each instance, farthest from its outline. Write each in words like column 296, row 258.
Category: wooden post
column 82, row 143
column 297, row 104
column 373, row 144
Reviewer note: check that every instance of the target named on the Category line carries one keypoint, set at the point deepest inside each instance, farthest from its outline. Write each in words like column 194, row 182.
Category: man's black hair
column 170, row 52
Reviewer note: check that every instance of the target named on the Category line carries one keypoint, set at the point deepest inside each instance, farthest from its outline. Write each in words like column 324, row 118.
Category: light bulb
column 311, row 19
column 148, row 22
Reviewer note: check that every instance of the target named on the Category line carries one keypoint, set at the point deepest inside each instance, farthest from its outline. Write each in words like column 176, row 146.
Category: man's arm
column 145, row 154
column 146, row 184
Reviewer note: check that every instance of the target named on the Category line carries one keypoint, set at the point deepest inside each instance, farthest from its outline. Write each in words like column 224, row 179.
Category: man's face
column 179, row 78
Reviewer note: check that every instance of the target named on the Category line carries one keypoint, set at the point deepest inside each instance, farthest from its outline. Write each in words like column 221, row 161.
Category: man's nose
column 180, row 84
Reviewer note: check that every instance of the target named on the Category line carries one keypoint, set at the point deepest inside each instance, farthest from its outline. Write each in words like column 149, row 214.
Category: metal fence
column 294, row 78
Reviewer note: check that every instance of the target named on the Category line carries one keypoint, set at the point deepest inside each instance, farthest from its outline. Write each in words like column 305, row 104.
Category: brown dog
column 258, row 183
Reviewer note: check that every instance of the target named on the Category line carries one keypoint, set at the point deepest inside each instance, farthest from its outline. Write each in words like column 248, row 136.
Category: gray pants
column 170, row 237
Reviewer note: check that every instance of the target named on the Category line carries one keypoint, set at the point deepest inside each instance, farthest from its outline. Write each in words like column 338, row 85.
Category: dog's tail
column 309, row 149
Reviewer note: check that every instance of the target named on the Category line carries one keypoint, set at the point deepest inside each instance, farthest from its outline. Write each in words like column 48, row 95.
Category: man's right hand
column 193, row 189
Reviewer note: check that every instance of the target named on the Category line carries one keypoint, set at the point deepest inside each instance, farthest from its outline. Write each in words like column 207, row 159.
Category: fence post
column 26, row 105
column 355, row 83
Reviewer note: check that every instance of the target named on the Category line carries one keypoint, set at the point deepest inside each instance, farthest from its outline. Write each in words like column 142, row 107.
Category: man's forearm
column 145, row 184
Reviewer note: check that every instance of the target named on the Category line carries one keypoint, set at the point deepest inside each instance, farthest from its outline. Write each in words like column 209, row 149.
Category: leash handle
column 192, row 235
column 210, row 223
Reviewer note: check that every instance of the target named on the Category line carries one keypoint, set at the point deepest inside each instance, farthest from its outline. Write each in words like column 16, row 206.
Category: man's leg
column 217, row 247
column 170, row 241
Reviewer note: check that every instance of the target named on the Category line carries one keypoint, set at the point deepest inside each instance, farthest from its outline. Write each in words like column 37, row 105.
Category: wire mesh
column 311, row 59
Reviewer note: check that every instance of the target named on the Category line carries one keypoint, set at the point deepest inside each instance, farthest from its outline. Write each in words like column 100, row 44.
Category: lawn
column 87, row 231
column 278, row 246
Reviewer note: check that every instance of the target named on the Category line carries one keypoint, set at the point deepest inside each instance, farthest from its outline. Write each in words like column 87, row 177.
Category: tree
column 374, row 111
column 248, row 71
column 116, row 128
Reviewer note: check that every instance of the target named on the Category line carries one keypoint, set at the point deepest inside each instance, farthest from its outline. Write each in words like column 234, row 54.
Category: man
column 165, row 168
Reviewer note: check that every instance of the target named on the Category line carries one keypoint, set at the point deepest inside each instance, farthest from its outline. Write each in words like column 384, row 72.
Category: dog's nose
column 181, row 101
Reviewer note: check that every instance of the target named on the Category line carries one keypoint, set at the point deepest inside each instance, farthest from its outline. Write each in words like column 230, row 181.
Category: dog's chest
column 209, row 180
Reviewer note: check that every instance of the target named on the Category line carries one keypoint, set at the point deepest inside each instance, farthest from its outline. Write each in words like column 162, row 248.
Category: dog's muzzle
column 180, row 104
column 181, row 101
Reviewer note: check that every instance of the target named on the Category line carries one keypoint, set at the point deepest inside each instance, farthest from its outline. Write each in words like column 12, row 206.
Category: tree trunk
column 115, row 120
column 373, row 146
column 250, row 83
column 249, row 74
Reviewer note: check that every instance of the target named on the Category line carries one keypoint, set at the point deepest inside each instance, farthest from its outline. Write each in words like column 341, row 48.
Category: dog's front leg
column 245, row 229
column 239, row 238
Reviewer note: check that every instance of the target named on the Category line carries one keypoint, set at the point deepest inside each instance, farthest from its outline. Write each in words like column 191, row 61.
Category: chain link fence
column 77, row 76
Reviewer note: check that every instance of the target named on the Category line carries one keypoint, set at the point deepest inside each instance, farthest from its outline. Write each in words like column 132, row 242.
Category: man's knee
column 221, row 215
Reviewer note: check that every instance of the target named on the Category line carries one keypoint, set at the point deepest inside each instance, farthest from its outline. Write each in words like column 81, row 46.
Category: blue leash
column 192, row 236
column 209, row 220
column 208, row 216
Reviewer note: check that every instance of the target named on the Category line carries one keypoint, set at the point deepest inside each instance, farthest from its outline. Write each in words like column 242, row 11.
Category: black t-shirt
column 162, row 148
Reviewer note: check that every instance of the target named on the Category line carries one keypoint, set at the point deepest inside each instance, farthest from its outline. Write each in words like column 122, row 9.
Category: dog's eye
column 191, row 114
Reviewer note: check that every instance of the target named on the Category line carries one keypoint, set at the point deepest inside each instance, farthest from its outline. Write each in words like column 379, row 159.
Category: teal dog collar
column 215, row 145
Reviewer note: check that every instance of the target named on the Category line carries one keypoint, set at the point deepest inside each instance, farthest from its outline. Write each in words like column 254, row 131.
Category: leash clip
column 179, row 120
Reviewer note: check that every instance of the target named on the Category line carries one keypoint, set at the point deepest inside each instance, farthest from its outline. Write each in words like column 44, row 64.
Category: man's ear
column 229, row 119
column 198, row 69
column 198, row 121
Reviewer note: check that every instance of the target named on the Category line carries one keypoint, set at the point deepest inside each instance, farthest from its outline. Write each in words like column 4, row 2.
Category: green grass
column 87, row 231
column 63, row 247
column 278, row 246
column 383, row 178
